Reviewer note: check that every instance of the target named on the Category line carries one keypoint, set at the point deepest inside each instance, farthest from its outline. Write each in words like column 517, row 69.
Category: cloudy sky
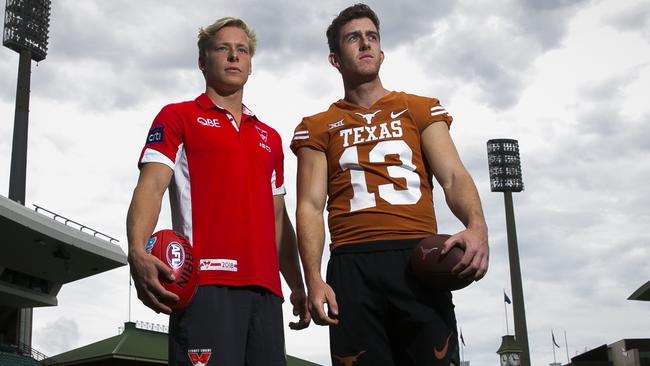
column 569, row 79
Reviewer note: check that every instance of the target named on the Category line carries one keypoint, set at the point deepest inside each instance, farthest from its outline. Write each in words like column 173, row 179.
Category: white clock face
column 504, row 360
column 514, row 359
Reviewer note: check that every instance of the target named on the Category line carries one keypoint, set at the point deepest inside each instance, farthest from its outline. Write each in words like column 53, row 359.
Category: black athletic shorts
column 228, row 326
column 386, row 318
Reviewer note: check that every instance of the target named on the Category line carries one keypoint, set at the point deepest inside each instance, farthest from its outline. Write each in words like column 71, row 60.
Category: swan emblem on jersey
column 199, row 357
column 263, row 134
column 367, row 117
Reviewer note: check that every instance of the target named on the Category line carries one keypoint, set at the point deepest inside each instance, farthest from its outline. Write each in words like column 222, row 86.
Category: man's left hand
column 477, row 253
column 298, row 299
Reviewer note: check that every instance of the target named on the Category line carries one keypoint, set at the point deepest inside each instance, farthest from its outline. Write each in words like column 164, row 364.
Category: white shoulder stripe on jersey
column 301, row 133
column 155, row 156
column 437, row 108
column 438, row 113
column 300, row 137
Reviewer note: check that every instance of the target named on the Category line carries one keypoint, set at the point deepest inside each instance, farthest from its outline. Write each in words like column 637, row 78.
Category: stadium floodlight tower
column 505, row 176
column 26, row 29
column 40, row 250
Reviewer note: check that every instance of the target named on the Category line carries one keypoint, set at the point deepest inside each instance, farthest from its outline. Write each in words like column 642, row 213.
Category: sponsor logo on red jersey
column 155, row 135
column 210, row 122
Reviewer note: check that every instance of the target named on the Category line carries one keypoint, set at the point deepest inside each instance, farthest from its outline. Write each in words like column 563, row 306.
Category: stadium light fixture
column 27, row 24
column 505, row 165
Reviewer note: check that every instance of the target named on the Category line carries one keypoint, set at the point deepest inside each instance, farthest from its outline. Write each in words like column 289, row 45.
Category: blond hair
column 206, row 33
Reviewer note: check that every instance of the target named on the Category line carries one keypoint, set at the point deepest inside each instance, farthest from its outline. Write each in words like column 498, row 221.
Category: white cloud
column 57, row 336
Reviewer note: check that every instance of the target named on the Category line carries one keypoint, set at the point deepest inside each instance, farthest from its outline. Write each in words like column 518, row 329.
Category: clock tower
column 509, row 352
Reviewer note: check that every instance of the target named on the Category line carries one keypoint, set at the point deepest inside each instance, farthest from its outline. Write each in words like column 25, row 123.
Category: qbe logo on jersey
column 175, row 255
column 208, row 122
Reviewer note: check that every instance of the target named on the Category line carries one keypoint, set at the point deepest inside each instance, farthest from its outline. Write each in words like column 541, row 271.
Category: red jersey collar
column 206, row 103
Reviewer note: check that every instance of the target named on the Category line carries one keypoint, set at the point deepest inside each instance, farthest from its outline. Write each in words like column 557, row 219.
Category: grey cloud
column 493, row 46
column 137, row 50
column 120, row 33
column 116, row 54
column 57, row 336
column 406, row 21
column 632, row 18
column 292, row 33
column 546, row 21
column 600, row 91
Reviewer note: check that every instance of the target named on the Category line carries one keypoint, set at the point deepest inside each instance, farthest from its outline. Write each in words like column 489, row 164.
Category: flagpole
column 462, row 344
column 553, row 346
column 505, row 307
column 462, row 347
column 462, row 351
column 130, row 285
column 566, row 344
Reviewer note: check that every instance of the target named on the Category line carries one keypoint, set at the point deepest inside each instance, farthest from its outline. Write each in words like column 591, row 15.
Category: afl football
column 174, row 250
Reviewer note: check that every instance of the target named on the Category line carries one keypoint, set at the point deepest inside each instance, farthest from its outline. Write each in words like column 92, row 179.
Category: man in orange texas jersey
column 371, row 157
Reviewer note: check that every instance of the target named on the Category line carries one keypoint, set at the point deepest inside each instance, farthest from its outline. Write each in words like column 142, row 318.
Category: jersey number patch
column 363, row 199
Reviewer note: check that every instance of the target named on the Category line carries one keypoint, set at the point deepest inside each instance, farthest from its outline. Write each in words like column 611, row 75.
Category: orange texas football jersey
column 379, row 184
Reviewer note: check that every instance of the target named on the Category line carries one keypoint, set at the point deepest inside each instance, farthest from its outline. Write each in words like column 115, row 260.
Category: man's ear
column 201, row 63
column 381, row 57
column 334, row 61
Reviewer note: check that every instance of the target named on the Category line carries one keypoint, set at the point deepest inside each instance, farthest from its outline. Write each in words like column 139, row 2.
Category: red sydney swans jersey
column 222, row 190
column 379, row 183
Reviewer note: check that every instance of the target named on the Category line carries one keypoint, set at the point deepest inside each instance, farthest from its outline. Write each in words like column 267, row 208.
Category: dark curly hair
column 355, row 11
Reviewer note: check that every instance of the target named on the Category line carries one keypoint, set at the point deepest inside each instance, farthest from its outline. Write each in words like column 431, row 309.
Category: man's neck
column 364, row 94
column 232, row 102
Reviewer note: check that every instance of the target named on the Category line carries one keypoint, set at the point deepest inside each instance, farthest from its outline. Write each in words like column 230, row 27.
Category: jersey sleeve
column 307, row 135
column 428, row 111
column 277, row 177
column 164, row 139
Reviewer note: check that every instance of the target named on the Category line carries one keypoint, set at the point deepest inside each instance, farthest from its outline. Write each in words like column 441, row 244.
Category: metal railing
column 80, row 227
column 26, row 351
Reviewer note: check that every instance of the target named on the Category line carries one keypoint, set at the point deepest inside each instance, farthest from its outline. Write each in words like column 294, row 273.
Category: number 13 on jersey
column 362, row 198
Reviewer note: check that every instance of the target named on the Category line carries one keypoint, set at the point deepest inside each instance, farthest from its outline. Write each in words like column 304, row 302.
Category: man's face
column 360, row 51
column 227, row 62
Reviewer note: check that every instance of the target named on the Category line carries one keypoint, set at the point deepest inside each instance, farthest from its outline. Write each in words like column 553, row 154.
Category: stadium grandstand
column 42, row 251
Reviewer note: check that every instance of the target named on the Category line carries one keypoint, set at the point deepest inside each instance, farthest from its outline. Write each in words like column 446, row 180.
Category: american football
column 434, row 270
column 175, row 250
